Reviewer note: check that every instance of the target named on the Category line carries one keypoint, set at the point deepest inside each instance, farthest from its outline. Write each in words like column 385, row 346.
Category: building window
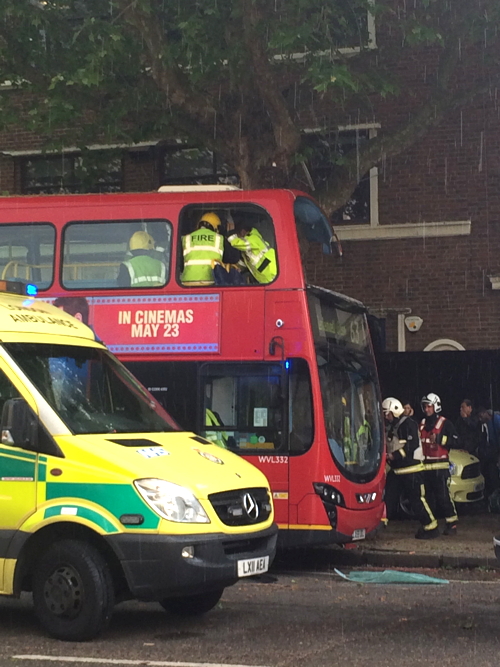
column 98, row 171
column 328, row 152
column 197, row 166
column 350, row 31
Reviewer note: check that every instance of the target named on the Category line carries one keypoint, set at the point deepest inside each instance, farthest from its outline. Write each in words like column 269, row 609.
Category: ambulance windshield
column 90, row 390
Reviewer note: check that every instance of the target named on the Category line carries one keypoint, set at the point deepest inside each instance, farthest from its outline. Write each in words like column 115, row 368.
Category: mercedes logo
column 251, row 507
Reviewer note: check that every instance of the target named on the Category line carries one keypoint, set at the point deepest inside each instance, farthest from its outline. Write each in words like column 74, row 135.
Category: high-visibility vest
column 436, row 456
column 217, row 437
column 146, row 271
column 200, row 249
column 259, row 257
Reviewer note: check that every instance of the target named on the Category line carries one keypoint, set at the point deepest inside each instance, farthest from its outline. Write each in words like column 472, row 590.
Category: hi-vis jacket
column 200, row 249
column 405, row 461
column 259, row 257
column 218, row 437
column 437, row 435
column 146, row 271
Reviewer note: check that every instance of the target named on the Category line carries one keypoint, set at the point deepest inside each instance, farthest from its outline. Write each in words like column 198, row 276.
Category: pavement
column 394, row 546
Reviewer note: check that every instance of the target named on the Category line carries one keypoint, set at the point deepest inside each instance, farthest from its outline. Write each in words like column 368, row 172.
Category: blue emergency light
column 18, row 287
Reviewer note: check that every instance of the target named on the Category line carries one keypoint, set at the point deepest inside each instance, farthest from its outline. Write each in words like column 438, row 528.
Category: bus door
column 243, row 408
column 302, row 457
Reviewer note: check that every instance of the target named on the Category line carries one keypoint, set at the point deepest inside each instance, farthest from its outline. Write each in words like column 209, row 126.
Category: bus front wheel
column 192, row 605
column 73, row 591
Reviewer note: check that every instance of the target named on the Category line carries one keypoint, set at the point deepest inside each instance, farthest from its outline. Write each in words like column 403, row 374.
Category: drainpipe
column 401, row 332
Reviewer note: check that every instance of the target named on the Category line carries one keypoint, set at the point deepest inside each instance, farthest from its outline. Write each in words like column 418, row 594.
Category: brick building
column 421, row 248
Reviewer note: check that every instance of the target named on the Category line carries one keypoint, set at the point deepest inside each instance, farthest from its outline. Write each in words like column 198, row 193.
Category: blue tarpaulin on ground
column 390, row 577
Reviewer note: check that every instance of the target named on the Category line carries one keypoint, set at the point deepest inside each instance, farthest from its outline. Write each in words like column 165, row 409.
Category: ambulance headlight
column 171, row 501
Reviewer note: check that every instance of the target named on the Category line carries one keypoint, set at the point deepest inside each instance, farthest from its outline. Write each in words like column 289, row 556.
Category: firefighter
column 201, row 249
column 143, row 268
column 258, row 256
column 403, row 456
column 438, row 436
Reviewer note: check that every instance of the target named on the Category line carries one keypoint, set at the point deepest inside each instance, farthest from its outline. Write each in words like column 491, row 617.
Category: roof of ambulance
column 180, row 197
column 21, row 315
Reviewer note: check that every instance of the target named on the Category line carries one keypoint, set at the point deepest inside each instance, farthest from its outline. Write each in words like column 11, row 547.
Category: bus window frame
column 244, row 369
column 206, row 207
column 69, row 223
column 54, row 256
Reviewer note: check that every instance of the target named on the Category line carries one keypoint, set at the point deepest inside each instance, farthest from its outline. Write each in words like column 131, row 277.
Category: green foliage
column 216, row 72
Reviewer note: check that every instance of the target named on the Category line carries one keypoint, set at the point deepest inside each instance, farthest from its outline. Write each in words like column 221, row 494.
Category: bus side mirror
column 19, row 424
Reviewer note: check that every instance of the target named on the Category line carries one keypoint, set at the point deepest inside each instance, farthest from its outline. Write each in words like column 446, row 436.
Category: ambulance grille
column 242, row 507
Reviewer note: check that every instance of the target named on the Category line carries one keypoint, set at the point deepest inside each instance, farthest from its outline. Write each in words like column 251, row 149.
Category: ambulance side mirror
column 19, row 424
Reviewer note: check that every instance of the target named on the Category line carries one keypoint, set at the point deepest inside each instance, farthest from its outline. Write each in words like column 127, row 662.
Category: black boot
column 423, row 534
column 451, row 529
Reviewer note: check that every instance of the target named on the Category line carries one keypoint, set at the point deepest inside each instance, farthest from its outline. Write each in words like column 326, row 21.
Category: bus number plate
column 359, row 534
column 250, row 566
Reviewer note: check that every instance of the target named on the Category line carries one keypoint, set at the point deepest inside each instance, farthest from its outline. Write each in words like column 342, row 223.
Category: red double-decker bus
column 281, row 372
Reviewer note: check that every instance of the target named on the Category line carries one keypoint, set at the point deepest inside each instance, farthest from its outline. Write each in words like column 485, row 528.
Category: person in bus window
column 143, row 268
column 258, row 256
column 208, row 256
column 218, row 437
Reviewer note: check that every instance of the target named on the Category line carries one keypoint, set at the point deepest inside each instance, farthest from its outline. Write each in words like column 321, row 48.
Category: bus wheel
column 192, row 605
column 73, row 591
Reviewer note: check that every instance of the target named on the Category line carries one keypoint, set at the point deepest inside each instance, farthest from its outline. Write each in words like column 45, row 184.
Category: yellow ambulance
column 103, row 497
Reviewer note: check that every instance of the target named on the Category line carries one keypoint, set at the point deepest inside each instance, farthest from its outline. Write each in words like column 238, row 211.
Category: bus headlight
column 329, row 494
column 171, row 501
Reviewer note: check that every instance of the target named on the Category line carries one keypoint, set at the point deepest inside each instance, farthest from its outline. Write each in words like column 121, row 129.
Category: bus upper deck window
column 230, row 244
column 116, row 254
column 27, row 253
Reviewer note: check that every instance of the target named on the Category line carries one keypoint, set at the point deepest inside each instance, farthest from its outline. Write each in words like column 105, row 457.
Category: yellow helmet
column 212, row 219
column 141, row 241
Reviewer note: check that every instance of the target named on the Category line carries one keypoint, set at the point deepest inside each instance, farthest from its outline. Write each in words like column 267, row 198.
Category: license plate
column 251, row 566
column 359, row 534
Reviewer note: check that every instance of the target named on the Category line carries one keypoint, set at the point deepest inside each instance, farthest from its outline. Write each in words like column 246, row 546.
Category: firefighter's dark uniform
column 438, row 435
column 411, row 471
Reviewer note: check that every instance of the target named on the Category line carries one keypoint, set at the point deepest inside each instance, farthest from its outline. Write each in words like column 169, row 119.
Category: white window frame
column 346, row 50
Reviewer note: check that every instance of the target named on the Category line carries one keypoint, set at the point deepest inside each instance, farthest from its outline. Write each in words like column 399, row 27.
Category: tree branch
column 168, row 76
column 286, row 134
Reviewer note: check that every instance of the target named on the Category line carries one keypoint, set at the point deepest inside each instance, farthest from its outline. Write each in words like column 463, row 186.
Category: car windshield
column 90, row 390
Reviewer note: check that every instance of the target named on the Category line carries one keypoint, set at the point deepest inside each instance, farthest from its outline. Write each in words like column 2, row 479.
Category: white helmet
column 431, row 399
column 394, row 406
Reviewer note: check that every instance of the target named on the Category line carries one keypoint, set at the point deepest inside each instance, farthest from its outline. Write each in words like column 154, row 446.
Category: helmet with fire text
column 141, row 241
column 210, row 219
column 392, row 405
column 431, row 399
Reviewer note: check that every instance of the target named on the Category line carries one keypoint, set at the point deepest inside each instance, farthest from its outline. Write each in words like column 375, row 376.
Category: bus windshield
column 89, row 389
column 349, row 389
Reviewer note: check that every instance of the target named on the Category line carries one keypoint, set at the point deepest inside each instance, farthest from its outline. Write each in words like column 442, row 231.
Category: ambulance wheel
column 192, row 605
column 73, row 591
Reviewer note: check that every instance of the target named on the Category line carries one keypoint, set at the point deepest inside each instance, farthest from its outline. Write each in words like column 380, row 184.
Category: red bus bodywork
column 250, row 324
